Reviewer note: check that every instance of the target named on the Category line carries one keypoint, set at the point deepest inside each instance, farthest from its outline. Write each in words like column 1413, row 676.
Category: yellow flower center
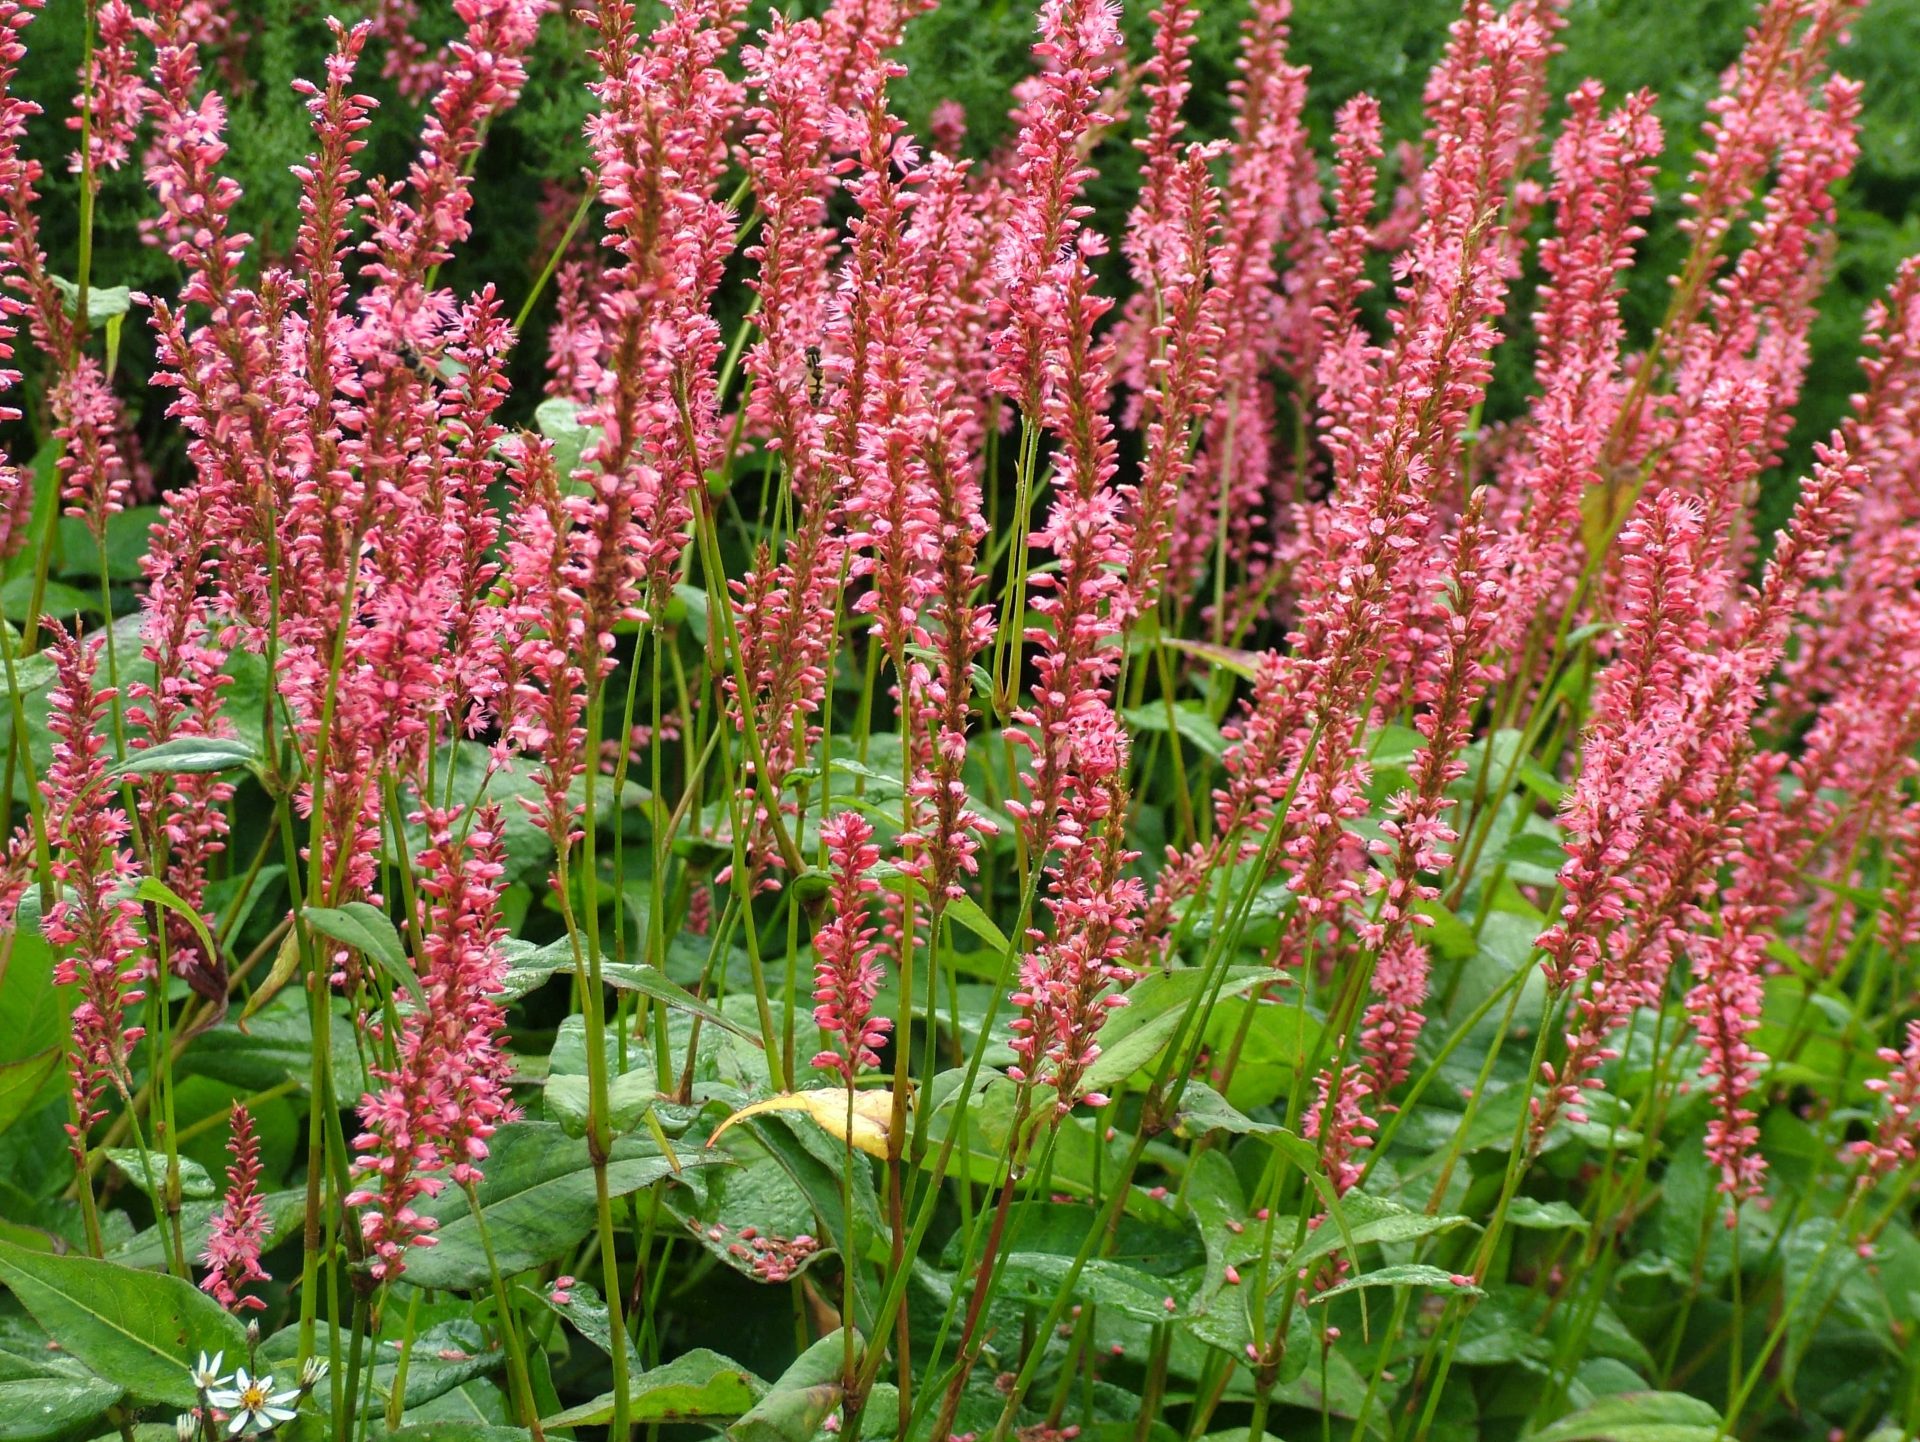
column 254, row 1398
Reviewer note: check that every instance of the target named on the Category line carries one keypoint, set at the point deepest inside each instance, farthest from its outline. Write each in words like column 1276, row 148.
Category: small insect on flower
column 254, row 1404
column 816, row 376
column 420, row 365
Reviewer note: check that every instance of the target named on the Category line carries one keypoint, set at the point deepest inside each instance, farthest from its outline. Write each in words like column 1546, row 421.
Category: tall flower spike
column 1416, row 839
column 1626, row 753
column 1070, row 981
column 1603, row 167
column 1180, row 372
column 1048, row 359
column 659, row 143
column 1373, row 581
column 94, row 925
column 113, row 94
column 1267, row 207
column 1893, row 1144
column 446, row 1093
column 239, row 1227
column 846, row 968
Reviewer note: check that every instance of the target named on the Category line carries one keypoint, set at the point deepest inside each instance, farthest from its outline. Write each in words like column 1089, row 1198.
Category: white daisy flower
column 254, row 1404
column 206, row 1375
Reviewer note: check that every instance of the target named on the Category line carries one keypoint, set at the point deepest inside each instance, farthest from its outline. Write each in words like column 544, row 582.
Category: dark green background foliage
column 973, row 51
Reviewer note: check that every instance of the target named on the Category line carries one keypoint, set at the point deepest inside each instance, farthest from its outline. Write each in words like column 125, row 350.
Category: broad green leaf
column 104, row 302
column 1638, row 1417
column 1203, row 1110
column 153, row 889
column 1372, row 1219
column 1533, row 857
column 1156, row 1006
column 21, row 1081
column 586, row 1309
column 559, row 421
column 453, row 1431
column 141, row 1329
column 1037, row 1277
column 136, row 1166
column 700, row 1386
column 276, row 1046
column 1408, row 1275
column 38, row 1409
column 803, row 1398
column 56, row 599
column 628, row 1097
column 1218, row 1205
column 1828, row 1282
column 963, row 911
column 1544, row 1216
column 530, row 966
column 190, row 756
column 129, row 533
column 651, row 981
column 1191, row 721
column 1271, row 1040
column 539, row 1200
column 365, row 928
column 443, row 1357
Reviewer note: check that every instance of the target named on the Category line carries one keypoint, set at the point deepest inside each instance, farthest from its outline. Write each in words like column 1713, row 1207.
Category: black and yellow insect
column 816, row 376
column 418, row 364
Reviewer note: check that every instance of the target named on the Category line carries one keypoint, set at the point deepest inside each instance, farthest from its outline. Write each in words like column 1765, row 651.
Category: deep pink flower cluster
column 1893, row 1144
column 239, row 1228
column 447, row 1090
column 1070, row 980
column 846, row 968
column 110, row 84
column 94, row 923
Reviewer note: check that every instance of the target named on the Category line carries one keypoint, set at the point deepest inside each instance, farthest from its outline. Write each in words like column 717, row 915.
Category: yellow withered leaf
column 872, row 1115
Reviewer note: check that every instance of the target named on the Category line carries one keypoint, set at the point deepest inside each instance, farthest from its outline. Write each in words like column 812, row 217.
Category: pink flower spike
column 846, row 970
column 240, row 1226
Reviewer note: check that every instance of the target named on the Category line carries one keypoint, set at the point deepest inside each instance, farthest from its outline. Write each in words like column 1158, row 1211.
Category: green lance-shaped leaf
column 141, row 1329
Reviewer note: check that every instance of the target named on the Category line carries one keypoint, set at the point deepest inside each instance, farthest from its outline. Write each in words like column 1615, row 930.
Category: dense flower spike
column 95, row 923
column 1271, row 202
column 1072, row 979
column 659, row 143
column 446, row 1092
column 110, row 83
column 239, row 1228
column 1603, row 170
column 1893, row 1142
column 846, row 969
column 1369, row 581
column 1049, row 360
